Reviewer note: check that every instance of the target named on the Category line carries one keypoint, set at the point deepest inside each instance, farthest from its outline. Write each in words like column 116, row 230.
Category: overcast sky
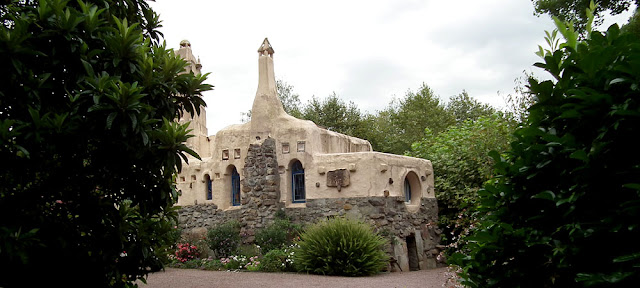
column 367, row 52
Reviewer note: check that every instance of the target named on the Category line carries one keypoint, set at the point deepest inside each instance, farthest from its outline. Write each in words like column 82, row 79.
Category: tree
column 403, row 121
column 518, row 103
column 575, row 10
column 464, row 108
column 461, row 161
column 334, row 114
column 570, row 182
column 89, row 152
column 290, row 101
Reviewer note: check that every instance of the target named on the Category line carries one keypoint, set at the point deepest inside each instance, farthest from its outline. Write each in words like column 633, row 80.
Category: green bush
column 213, row 264
column 340, row 246
column 571, row 182
column 277, row 235
column 224, row 239
column 274, row 261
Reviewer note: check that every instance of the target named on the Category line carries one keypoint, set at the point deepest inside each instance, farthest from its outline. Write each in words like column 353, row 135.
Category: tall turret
column 266, row 105
column 198, row 123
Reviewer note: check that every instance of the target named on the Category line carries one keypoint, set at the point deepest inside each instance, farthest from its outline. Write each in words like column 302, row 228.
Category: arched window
column 412, row 189
column 407, row 191
column 235, row 187
column 207, row 179
column 297, row 183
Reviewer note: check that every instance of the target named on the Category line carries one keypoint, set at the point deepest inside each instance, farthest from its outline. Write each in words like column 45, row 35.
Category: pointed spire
column 265, row 48
column 266, row 105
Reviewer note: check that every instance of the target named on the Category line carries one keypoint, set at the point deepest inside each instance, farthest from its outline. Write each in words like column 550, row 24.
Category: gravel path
column 192, row 278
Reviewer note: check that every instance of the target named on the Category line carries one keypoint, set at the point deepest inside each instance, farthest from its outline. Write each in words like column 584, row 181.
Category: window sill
column 297, row 205
column 231, row 208
column 413, row 208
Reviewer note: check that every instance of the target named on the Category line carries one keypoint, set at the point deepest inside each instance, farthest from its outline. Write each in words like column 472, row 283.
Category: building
column 250, row 171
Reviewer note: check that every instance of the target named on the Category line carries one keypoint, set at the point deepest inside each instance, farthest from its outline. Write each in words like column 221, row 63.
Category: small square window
column 182, row 179
column 285, row 148
column 193, row 177
column 225, row 154
column 300, row 146
column 217, row 175
column 236, row 153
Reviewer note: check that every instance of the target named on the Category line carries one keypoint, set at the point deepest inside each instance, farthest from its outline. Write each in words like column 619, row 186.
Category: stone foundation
column 388, row 214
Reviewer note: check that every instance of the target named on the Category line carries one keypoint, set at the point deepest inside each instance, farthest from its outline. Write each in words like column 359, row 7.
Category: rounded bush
column 276, row 236
column 274, row 261
column 340, row 246
column 224, row 239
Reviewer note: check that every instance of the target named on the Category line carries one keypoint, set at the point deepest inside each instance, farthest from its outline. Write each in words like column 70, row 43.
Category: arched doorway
column 235, row 187
column 298, row 194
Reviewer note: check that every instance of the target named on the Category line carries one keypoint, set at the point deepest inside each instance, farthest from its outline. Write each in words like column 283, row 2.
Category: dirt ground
column 193, row 278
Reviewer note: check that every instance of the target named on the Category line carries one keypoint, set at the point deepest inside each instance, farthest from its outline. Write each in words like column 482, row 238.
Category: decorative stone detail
column 352, row 167
column 338, row 178
column 383, row 167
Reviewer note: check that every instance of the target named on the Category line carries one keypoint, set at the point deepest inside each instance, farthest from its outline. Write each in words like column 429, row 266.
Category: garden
column 337, row 246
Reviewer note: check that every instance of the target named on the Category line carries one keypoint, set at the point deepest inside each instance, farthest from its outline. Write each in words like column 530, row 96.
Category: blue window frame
column 297, row 183
column 207, row 178
column 235, row 187
column 407, row 190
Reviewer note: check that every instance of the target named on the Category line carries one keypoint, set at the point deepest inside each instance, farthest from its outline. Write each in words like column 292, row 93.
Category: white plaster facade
column 371, row 174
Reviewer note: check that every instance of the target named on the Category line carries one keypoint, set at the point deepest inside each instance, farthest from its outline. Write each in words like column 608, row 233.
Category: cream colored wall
column 369, row 176
column 324, row 151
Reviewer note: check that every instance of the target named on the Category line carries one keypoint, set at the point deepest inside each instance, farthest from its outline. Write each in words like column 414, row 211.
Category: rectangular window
column 236, row 153
column 225, row 154
column 285, row 148
column 209, row 187
column 300, row 146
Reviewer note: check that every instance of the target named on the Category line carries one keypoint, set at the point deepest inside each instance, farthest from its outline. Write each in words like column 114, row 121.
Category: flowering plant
column 186, row 252
column 254, row 264
column 234, row 262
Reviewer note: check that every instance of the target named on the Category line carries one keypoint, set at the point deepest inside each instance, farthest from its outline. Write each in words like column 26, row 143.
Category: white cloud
column 366, row 51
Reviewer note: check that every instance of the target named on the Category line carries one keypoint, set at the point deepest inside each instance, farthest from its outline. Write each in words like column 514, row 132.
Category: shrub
column 248, row 250
column 186, row 252
column 571, row 181
column 213, row 264
column 274, row 261
column 254, row 264
column 234, row 262
column 340, row 246
column 277, row 235
column 224, row 239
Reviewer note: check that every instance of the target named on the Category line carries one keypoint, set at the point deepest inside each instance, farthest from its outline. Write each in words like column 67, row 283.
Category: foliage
column 278, row 260
column 340, row 246
column 253, row 264
column 224, row 239
column 408, row 117
column 87, row 146
column 633, row 26
column 462, row 164
column 576, row 10
column 290, row 101
column 186, row 251
column 570, row 184
column 333, row 114
column 518, row 103
column 212, row 264
column 464, row 108
column 234, row 262
column 277, row 235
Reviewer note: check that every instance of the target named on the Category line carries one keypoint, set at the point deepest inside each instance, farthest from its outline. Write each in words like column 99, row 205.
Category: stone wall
column 388, row 214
